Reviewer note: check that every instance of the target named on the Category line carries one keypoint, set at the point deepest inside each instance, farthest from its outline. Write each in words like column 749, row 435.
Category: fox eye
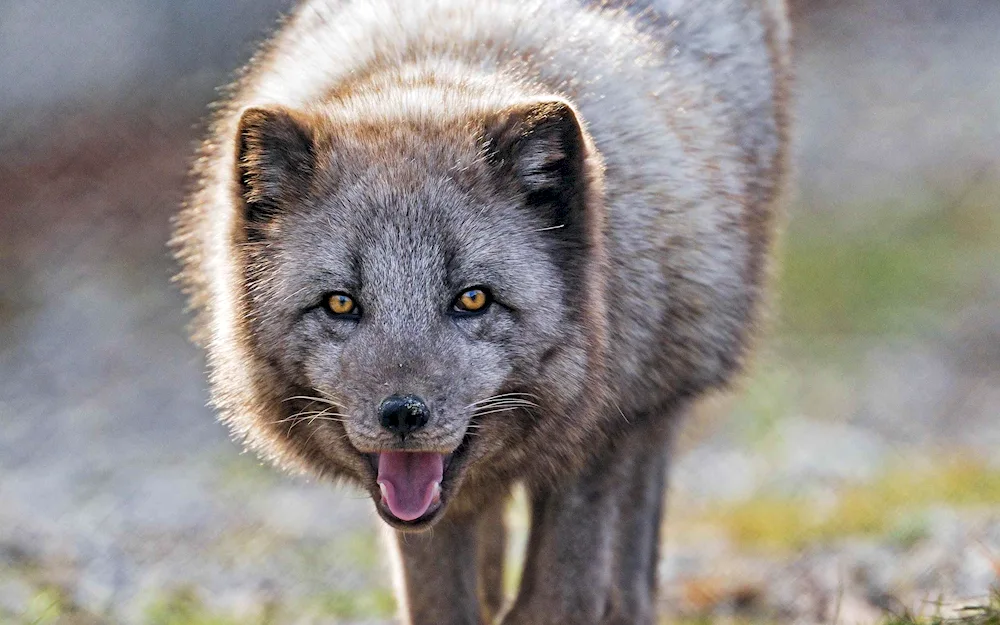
column 474, row 300
column 341, row 304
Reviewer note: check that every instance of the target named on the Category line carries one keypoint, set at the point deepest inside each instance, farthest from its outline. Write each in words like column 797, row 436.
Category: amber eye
column 472, row 300
column 341, row 304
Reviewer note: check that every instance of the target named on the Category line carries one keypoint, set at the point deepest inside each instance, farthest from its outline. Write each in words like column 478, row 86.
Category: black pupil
column 342, row 301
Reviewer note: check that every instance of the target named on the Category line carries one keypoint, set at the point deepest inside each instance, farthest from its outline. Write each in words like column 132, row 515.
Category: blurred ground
column 855, row 474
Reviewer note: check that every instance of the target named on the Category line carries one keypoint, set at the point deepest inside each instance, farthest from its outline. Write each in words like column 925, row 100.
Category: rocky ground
column 854, row 474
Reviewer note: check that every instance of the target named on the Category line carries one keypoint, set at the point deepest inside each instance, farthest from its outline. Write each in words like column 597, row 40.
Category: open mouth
column 410, row 482
column 414, row 485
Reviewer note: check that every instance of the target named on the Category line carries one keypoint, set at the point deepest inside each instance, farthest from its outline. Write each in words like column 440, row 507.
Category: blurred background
column 855, row 473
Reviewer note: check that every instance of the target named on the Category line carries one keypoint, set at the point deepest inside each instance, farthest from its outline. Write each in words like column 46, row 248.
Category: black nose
column 403, row 414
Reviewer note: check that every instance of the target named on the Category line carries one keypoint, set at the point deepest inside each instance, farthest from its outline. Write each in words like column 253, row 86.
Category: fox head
column 420, row 294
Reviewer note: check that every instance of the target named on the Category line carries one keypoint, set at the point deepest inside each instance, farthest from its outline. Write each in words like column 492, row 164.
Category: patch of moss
column 884, row 507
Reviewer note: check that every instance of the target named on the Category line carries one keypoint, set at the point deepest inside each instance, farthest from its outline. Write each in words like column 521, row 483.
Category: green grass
column 370, row 603
column 891, row 507
column 889, row 277
column 974, row 615
column 988, row 614
column 46, row 606
column 185, row 607
column 51, row 605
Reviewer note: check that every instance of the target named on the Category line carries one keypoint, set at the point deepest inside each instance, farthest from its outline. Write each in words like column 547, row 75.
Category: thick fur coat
column 606, row 175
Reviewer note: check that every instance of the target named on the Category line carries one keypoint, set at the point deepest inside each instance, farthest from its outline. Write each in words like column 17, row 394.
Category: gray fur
column 609, row 170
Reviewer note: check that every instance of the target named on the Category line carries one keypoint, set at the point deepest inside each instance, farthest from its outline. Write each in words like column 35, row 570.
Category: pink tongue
column 408, row 481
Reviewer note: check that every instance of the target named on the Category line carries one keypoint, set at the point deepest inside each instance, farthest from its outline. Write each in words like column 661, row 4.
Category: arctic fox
column 442, row 247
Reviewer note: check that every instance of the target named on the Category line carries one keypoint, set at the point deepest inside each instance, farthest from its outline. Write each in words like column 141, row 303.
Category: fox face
column 416, row 290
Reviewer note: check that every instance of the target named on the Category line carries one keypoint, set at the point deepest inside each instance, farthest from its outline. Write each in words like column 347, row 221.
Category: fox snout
column 405, row 419
column 403, row 414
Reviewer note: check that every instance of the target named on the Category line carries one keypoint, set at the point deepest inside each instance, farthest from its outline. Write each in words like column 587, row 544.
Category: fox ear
column 274, row 159
column 541, row 144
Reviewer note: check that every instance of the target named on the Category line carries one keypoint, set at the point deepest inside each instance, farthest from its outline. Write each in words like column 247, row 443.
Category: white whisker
column 508, row 402
column 494, row 411
column 309, row 416
column 503, row 396
column 310, row 398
